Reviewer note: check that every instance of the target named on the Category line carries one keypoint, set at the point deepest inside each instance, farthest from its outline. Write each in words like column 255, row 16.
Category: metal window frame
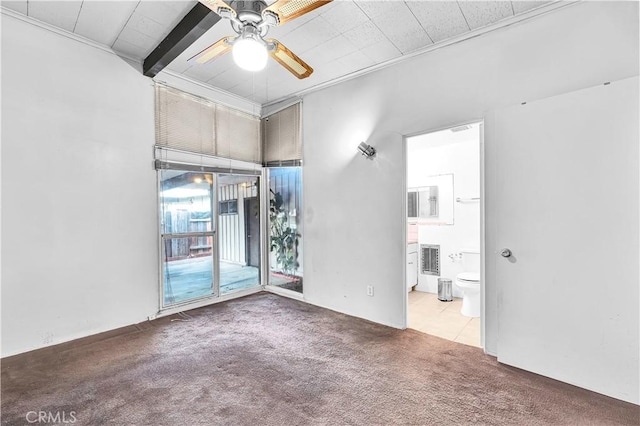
column 189, row 167
column 267, row 252
column 162, row 237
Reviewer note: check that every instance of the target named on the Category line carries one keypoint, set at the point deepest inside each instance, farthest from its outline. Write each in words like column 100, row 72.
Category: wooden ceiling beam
column 197, row 22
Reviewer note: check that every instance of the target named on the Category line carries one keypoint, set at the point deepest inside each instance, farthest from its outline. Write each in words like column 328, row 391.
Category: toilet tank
column 470, row 260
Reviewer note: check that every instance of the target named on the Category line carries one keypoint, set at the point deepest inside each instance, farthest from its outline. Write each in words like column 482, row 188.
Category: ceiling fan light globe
column 250, row 54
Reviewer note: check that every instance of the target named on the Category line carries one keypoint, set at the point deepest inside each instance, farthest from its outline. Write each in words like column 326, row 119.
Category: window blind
column 282, row 137
column 237, row 135
column 193, row 124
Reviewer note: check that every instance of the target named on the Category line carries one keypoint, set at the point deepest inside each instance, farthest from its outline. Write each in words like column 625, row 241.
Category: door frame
column 405, row 187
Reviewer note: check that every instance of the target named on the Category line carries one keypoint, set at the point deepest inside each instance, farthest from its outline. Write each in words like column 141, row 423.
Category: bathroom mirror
column 432, row 203
column 428, row 202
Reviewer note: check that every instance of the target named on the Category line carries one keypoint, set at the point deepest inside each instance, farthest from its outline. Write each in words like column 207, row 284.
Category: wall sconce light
column 367, row 150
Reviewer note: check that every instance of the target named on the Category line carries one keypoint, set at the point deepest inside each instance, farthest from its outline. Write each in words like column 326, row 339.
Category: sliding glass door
column 210, row 234
column 188, row 233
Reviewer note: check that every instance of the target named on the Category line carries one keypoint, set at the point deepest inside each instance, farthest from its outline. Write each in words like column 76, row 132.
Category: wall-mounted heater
column 429, row 259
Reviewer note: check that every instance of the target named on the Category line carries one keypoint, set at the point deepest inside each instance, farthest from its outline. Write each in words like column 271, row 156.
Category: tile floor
column 443, row 319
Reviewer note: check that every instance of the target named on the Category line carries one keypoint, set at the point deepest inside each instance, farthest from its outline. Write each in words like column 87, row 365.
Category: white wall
column 79, row 210
column 462, row 159
column 354, row 211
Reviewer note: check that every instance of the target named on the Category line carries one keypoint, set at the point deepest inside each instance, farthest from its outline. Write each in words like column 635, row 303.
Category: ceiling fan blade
column 286, row 10
column 218, row 48
column 220, row 7
column 289, row 60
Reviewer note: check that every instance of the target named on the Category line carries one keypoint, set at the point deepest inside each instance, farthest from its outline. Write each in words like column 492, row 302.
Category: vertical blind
column 282, row 137
column 190, row 123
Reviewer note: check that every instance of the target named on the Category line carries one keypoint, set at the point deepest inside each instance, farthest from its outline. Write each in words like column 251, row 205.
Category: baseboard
column 36, row 354
column 285, row 293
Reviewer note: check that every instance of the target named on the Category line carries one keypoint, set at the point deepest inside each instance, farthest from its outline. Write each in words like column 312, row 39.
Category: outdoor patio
column 192, row 278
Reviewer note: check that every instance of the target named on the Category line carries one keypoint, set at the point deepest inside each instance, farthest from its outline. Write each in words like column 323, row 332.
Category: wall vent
column 461, row 128
column 430, row 259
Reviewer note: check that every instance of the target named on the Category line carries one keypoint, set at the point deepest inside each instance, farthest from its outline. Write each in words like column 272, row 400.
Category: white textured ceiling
column 132, row 28
column 337, row 39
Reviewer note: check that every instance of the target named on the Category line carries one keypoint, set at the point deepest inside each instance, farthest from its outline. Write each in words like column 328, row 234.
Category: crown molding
column 274, row 109
column 521, row 17
column 62, row 32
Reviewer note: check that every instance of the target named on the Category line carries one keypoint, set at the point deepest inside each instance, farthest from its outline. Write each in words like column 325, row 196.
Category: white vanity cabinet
column 412, row 265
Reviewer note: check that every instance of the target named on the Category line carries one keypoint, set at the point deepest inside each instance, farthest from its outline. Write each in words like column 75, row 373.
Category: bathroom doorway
column 444, row 226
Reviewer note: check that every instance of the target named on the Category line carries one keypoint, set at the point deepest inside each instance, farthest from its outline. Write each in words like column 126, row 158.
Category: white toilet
column 469, row 282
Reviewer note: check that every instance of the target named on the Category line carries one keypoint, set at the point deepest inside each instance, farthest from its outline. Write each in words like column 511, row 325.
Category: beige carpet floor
column 268, row 360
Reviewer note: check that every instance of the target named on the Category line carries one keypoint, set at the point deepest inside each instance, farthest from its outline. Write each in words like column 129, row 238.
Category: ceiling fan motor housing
column 250, row 31
column 249, row 10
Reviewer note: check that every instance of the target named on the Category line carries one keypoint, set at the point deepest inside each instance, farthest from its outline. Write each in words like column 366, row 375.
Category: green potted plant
column 284, row 239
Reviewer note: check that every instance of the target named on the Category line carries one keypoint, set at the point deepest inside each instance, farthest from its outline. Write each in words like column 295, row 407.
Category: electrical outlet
column 369, row 290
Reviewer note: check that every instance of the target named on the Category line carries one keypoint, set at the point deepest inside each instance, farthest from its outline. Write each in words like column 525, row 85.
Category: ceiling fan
column 251, row 21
